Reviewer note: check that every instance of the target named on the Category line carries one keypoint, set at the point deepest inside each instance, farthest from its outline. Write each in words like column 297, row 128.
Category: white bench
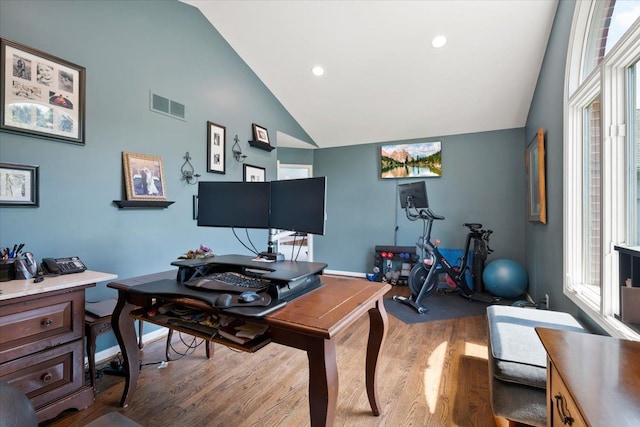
column 518, row 361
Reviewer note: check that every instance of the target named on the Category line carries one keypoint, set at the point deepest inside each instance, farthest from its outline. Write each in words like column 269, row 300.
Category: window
column 591, row 192
column 634, row 150
column 601, row 155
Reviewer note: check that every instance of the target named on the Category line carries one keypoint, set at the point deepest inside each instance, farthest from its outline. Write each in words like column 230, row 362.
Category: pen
column 13, row 251
column 19, row 249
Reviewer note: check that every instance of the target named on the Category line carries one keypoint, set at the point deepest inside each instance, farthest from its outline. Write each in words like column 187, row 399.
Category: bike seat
column 473, row 226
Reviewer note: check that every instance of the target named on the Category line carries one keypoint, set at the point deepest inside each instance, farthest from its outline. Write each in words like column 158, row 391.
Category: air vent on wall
column 166, row 106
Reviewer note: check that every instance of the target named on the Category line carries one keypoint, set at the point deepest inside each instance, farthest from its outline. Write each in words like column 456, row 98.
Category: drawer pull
column 47, row 322
column 46, row 377
column 561, row 407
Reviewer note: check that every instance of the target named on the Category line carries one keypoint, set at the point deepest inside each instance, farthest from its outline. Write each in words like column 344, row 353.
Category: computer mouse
column 223, row 301
column 248, row 296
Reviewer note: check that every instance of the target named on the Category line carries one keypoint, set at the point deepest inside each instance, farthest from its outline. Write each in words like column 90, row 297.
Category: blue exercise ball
column 505, row 278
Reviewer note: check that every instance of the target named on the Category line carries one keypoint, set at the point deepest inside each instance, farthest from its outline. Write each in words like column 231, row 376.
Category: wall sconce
column 188, row 173
column 237, row 152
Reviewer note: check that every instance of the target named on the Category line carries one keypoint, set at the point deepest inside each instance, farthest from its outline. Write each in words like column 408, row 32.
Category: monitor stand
column 288, row 278
column 271, row 256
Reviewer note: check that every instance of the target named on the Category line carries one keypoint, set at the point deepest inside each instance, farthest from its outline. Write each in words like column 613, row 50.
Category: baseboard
column 345, row 273
column 111, row 352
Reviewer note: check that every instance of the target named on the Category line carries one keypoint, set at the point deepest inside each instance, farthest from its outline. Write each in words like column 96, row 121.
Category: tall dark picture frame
column 216, row 148
column 19, row 185
column 536, row 182
column 41, row 95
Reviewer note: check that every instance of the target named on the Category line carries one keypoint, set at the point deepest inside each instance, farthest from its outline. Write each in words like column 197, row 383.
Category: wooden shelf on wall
column 261, row 145
column 142, row 204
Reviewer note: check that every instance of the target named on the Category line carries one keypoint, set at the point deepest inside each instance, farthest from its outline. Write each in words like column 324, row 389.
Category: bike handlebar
column 424, row 214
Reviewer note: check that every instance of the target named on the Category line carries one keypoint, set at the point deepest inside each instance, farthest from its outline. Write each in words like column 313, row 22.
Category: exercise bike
column 424, row 277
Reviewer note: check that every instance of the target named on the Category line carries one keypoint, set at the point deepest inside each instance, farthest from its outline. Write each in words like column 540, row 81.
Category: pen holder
column 7, row 270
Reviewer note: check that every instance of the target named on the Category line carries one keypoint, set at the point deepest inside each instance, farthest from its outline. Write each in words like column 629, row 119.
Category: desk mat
column 171, row 288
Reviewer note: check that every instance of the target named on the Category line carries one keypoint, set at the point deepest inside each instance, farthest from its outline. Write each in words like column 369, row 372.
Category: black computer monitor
column 415, row 193
column 234, row 204
column 299, row 205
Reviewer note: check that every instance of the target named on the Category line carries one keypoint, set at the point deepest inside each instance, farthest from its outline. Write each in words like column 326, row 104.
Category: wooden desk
column 310, row 323
column 592, row 379
column 96, row 325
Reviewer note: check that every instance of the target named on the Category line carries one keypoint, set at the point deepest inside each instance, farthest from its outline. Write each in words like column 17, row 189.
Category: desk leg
column 377, row 332
column 125, row 332
column 323, row 382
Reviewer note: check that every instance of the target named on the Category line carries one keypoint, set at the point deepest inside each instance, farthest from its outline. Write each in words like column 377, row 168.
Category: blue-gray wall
column 482, row 181
column 128, row 49
column 544, row 250
column 295, row 156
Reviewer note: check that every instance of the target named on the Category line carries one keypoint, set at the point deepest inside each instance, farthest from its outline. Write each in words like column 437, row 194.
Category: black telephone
column 63, row 265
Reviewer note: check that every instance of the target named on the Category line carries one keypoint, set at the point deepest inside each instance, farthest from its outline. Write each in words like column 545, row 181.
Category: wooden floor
column 430, row 374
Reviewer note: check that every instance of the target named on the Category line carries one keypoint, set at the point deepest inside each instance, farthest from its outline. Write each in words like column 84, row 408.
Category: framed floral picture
column 19, row 185
column 41, row 95
column 143, row 177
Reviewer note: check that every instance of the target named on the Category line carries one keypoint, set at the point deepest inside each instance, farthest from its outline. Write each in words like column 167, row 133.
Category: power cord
column 255, row 252
column 190, row 346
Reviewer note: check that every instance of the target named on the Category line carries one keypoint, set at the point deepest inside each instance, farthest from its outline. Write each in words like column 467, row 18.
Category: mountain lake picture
column 419, row 160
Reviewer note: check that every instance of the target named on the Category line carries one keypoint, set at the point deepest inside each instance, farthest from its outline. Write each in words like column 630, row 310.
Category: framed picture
column 143, row 177
column 41, row 95
column 536, row 186
column 18, row 185
column 418, row 160
column 260, row 134
column 254, row 173
column 216, row 146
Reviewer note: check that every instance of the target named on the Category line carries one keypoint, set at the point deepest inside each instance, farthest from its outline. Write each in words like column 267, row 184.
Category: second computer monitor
column 414, row 193
column 299, row 205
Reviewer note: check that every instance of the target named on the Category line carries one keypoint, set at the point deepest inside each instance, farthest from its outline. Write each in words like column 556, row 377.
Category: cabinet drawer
column 563, row 409
column 48, row 375
column 36, row 324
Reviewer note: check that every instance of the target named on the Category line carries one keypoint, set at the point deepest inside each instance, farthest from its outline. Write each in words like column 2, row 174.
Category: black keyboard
column 228, row 282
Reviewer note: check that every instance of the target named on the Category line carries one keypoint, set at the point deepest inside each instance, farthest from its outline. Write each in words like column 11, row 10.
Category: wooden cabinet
column 562, row 409
column 592, row 380
column 42, row 341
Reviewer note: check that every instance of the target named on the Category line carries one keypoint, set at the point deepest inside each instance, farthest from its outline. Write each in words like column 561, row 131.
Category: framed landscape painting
column 419, row 160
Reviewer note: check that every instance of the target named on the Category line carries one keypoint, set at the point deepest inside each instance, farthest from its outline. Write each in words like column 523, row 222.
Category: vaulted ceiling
column 383, row 79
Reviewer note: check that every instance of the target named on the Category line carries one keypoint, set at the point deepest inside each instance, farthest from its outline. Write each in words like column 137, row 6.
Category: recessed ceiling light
column 317, row 70
column 438, row 41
